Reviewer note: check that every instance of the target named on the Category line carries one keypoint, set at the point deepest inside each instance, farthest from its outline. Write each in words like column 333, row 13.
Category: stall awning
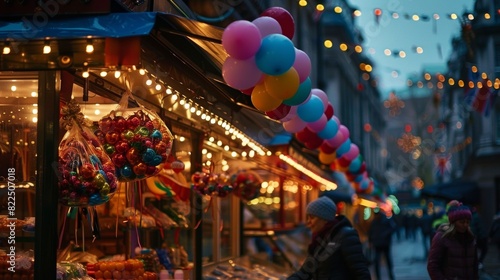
column 117, row 25
column 464, row 191
column 178, row 49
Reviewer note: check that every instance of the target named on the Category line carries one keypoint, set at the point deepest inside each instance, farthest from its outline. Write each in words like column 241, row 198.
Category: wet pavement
column 410, row 263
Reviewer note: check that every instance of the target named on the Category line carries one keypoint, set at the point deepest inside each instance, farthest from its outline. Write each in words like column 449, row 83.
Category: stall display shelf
column 245, row 267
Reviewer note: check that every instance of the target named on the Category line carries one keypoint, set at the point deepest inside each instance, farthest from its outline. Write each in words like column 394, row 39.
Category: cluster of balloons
column 264, row 63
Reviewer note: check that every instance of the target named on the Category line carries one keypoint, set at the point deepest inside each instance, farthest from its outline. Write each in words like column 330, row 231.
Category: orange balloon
column 262, row 100
column 283, row 86
column 326, row 158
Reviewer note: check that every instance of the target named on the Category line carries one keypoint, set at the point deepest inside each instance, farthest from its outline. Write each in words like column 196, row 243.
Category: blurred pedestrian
column 335, row 251
column 494, row 233
column 453, row 253
column 425, row 224
column 478, row 229
column 380, row 238
column 398, row 219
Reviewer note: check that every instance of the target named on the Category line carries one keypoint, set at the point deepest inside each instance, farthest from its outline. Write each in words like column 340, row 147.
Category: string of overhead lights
column 194, row 109
column 377, row 12
column 326, row 183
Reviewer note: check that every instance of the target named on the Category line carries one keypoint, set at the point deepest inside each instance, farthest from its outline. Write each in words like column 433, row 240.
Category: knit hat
column 458, row 211
column 323, row 208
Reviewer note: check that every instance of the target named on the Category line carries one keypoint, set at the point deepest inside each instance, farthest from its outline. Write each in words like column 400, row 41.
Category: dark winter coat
column 453, row 256
column 381, row 230
column 336, row 255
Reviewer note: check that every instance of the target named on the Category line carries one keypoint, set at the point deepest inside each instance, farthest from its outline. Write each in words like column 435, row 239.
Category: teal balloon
column 355, row 165
column 276, row 55
column 344, row 148
column 330, row 130
column 301, row 95
column 312, row 110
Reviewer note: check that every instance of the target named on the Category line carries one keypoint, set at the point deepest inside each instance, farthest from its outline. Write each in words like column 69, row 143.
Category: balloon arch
column 264, row 63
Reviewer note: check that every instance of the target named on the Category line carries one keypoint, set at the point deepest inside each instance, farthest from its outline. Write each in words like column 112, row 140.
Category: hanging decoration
column 408, row 142
column 443, row 164
column 211, row 184
column 86, row 173
column 136, row 139
column 394, row 104
column 246, row 184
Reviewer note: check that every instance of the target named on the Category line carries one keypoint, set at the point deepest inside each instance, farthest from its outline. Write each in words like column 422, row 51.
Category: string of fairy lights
column 417, row 50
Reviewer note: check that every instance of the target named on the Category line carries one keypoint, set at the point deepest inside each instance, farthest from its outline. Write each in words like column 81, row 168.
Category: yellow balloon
column 262, row 100
column 326, row 158
column 283, row 86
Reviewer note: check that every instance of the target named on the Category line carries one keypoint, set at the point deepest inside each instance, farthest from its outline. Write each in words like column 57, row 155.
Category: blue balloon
column 330, row 130
column 358, row 178
column 301, row 94
column 344, row 148
column 355, row 165
column 276, row 55
column 312, row 110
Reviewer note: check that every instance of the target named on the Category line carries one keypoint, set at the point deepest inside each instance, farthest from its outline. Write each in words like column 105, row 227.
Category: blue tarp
column 114, row 25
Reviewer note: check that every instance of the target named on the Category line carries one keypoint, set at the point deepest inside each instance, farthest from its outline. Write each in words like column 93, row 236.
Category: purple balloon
column 267, row 26
column 302, row 64
column 241, row 74
column 241, row 39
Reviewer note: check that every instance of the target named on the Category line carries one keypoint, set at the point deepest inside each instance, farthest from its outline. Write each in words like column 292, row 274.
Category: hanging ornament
column 443, row 164
column 394, row 104
column 246, row 184
column 177, row 166
column 378, row 13
column 211, row 184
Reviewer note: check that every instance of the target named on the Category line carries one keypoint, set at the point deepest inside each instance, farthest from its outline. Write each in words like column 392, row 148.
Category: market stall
column 185, row 213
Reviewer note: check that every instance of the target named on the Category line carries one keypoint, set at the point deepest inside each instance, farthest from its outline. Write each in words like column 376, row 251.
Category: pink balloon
column 241, row 39
column 352, row 153
column 345, row 131
column 322, row 95
column 267, row 26
column 337, row 140
column 294, row 125
column 302, row 64
column 291, row 114
column 318, row 125
column 241, row 74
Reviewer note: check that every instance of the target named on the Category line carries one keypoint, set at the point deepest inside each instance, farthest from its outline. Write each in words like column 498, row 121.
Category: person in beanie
column 335, row 251
column 453, row 253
